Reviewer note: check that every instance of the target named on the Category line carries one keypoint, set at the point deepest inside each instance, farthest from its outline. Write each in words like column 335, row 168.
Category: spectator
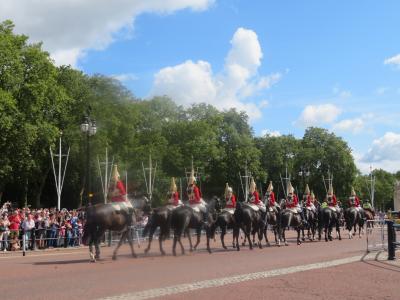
column 15, row 222
column 28, row 227
column 4, row 231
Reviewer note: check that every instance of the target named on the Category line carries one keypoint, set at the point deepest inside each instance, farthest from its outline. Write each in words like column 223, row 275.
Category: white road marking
column 77, row 251
column 189, row 287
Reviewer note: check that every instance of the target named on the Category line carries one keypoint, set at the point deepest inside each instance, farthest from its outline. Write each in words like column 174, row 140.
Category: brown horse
column 118, row 216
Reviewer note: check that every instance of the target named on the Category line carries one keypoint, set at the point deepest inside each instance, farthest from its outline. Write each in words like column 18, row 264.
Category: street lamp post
column 304, row 172
column 88, row 127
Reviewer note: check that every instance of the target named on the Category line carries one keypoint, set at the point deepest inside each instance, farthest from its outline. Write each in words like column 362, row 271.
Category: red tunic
column 356, row 202
column 174, row 200
column 308, row 201
column 121, row 195
column 294, row 202
column 255, row 198
column 333, row 202
column 194, row 195
column 272, row 199
column 230, row 202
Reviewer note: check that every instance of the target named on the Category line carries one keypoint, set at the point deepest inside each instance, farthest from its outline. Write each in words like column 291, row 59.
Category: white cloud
column 313, row 115
column 352, row 125
column 394, row 60
column 341, row 93
column 194, row 82
column 384, row 148
column 125, row 77
column 264, row 104
column 272, row 133
column 69, row 28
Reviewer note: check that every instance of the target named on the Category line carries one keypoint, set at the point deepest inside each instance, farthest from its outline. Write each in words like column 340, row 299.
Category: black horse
column 225, row 220
column 271, row 218
column 353, row 218
column 159, row 218
column 184, row 218
column 250, row 222
column 289, row 218
column 328, row 219
column 119, row 217
column 312, row 223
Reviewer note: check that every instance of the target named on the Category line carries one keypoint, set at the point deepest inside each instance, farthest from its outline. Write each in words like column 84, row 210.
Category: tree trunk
column 41, row 186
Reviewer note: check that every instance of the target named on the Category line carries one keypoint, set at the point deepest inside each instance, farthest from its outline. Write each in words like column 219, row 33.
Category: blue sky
column 289, row 64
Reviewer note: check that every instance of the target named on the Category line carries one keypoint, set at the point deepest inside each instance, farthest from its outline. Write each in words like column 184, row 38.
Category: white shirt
column 28, row 225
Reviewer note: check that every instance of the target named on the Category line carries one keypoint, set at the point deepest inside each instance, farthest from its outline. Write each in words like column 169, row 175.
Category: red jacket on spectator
column 15, row 221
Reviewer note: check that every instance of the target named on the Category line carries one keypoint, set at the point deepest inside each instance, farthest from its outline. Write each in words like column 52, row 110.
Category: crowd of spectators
column 42, row 228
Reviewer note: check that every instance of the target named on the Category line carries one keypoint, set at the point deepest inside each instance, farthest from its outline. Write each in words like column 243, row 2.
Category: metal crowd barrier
column 43, row 238
column 376, row 235
column 392, row 229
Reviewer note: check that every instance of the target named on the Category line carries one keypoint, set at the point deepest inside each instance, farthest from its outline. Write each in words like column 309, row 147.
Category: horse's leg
column 298, row 236
column 223, row 232
column 163, row 235
column 198, row 238
column 174, row 243
column 130, row 241
column 151, row 233
column 266, row 235
column 180, row 243
column 122, row 239
column 247, row 233
column 236, row 237
column 97, row 244
column 91, row 254
column 187, row 233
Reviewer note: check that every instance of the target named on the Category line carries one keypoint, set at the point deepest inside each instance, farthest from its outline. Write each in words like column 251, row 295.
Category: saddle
column 293, row 210
column 229, row 210
column 253, row 206
column 332, row 208
column 122, row 206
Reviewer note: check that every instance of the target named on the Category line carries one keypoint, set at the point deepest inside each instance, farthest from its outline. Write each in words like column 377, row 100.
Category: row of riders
column 253, row 218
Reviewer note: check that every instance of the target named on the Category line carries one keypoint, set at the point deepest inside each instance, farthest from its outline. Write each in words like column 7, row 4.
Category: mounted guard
column 173, row 195
column 270, row 199
column 309, row 200
column 254, row 198
column 293, row 204
column 355, row 202
column 118, row 195
column 230, row 200
column 196, row 202
column 331, row 200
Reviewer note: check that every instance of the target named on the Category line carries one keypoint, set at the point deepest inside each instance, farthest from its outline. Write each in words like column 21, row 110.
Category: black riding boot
column 205, row 219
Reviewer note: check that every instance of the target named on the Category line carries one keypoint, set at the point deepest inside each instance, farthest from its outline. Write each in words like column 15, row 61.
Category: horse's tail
column 146, row 228
column 86, row 234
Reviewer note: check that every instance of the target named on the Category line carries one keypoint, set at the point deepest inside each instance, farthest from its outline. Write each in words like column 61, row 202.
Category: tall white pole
column 59, row 177
column 106, row 179
column 150, row 178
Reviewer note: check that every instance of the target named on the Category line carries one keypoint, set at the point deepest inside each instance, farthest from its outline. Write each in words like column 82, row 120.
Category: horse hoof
column 286, row 244
column 298, row 243
column 114, row 257
column 174, row 253
column 209, row 251
column 226, row 248
column 268, row 245
column 163, row 253
column 146, row 250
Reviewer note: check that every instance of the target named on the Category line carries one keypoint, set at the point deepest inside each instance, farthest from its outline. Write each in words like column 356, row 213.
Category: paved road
column 309, row 271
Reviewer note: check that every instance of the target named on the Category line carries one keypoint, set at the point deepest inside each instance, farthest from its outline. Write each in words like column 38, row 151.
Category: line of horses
column 181, row 220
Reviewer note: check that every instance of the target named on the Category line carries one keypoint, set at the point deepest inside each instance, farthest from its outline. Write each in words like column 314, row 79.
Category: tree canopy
column 39, row 100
